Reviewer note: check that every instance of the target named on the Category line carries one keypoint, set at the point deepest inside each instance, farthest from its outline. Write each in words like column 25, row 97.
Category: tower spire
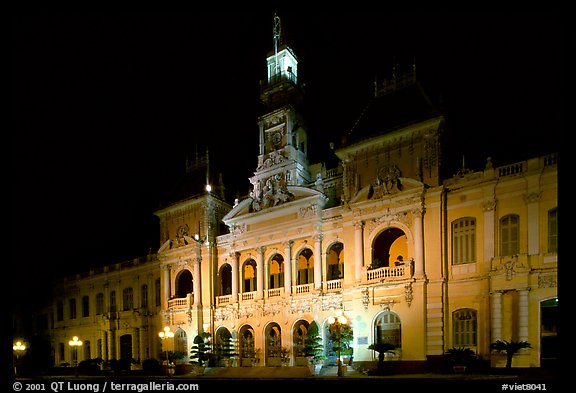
column 276, row 33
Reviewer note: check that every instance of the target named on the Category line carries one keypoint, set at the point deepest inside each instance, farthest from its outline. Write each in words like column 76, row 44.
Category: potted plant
column 200, row 353
column 460, row 358
column 382, row 349
column 313, row 349
column 228, row 351
column 510, row 347
column 285, row 355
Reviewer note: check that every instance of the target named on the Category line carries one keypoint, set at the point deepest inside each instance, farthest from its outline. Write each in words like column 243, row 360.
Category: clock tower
column 282, row 159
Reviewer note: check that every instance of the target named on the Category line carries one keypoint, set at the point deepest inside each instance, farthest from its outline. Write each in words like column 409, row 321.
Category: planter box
column 274, row 362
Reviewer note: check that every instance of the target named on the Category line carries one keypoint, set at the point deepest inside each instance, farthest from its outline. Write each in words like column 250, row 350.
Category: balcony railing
column 302, row 288
column 383, row 273
column 333, row 285
column 180, row 302
column 275, row 292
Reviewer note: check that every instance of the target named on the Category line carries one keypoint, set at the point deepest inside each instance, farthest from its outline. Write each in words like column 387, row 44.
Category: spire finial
column 276, row 32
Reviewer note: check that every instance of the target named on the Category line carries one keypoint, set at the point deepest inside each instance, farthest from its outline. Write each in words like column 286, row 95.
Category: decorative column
column 358, row 250
column 111, row 345
column 260, row 272
column 318, row 261
column 523, row 314
column 288, row 267
column 418, row 242
column 532, row 200
column 496, row 320
column 105, row 345
column 197, row 279
column 165, row 285
column 489, row 207
column 235, row 273
column 136, row 343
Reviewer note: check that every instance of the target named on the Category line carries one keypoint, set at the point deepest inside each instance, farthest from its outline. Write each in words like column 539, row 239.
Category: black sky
column 106, row 107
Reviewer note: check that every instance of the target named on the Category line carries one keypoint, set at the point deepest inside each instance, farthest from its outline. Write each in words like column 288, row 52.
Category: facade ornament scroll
column 387, row 304
column 489, row 205
column 365, row 298
column 408, row 293
column 510, row 267
column 547, row 281
column 308, row 211
column 387, row 219
column 532, row 197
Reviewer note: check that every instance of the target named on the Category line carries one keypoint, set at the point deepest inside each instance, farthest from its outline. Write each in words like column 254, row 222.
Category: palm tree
column 382, row 349
column 510, row 347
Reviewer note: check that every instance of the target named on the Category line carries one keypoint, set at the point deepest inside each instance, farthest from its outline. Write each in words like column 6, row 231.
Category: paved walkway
column 331, row 372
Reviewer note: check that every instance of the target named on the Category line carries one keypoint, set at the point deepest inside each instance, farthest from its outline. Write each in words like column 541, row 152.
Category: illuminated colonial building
column 413, row 259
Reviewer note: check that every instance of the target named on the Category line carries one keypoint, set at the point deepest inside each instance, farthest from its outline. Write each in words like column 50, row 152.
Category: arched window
column 388, row 329
column 464, row 241
column 249, row 275
column 276, row 272
column 226, row 280
column 335, row 261
column 387, row 246
column 509, row 235
column 464, row 327
column 184, row 283
column 305, row 267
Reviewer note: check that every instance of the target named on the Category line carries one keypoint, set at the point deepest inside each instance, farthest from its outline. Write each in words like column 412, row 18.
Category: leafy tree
column 313, row 347
column 342, row 343
column 510, row 347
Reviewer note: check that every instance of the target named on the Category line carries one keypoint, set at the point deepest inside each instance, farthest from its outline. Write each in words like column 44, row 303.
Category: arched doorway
column 299, row 335
column 273, row 344
column 126, row 346
column 390, row 244
column 181, row 344
column 224, row 347
column 183, row 283
column 388, row 329
column 246, row 348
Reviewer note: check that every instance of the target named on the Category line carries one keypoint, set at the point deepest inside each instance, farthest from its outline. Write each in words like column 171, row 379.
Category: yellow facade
column 479, row 254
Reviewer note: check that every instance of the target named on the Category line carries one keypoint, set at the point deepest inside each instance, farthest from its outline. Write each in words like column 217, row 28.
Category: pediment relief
column 302, row 200
column 385, row 186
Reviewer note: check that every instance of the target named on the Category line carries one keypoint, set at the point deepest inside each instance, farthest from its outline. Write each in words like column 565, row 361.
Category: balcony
column 180, row 303
column 386, row 273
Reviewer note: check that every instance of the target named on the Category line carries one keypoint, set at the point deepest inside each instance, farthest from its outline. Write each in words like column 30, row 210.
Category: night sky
column 106, row 108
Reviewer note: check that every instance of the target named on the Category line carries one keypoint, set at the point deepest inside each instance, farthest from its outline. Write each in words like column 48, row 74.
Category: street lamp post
column 166, row 333
column 75, row 343
column 338, row 320
column 18, row 348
